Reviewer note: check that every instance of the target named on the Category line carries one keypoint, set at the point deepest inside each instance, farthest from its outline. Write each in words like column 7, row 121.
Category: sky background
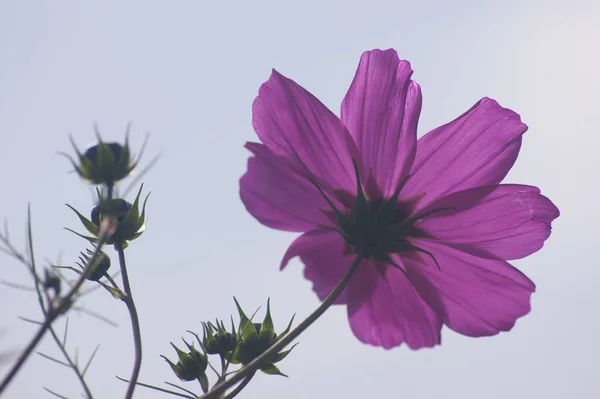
column 187, row 72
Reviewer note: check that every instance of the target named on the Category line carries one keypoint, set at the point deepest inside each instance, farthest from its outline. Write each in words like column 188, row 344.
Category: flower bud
column 219, row 342
column 51, row 281
column 191, row 365
column 256, row 338
column 104, row 163
column 97, row 268
column 130, row 223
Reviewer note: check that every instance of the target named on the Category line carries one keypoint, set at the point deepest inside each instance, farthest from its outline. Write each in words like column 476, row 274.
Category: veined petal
column 473, row 296
column 325, row 260
column 278, row 195
column 381, row 111
column 387, row 310
column 509, row 222
column 295, row 124
column 476, row 149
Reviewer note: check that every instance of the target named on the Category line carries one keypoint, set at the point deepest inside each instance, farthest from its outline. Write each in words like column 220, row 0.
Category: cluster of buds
column 237, row 346
column 105, row 164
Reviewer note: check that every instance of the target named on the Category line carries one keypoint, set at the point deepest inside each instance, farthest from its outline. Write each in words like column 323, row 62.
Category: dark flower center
column 375, row 229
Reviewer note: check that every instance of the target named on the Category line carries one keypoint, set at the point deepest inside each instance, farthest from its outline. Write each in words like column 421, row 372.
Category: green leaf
column 123, row 163
column 90, row 239
column 204, row 382
column 140, row 226
column 183, row 357
column 235, row 356
column 209, row 338
column 134, row 213
column 106, row 160
column 287, row 329
column 247, row 329
column 89, row 226
column 115, row 292
column 79, row 155
column 282, row 355
column 271, row 369
column 267, row 329
column 69, row 268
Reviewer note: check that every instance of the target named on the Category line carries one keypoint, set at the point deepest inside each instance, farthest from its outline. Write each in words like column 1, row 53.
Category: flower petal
column 381, row 111
column 476, row 149
column 473, row 296
column 295, row 124
column 509, row 222
column 385, row 310
column 325, row 260
column 278, row 195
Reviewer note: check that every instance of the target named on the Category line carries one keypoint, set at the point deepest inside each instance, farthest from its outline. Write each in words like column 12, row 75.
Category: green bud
column 191, row 365
column 98, row 268
column 104, row 163
column 256, row 338
column 217, row 340
column 51, row 281
column 130, row 223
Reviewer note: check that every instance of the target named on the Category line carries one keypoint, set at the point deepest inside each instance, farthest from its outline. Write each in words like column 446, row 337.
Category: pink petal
column 510, row 222
column 476, row 149
column 278, row 195
column 473, row 296
column 387, row 311
column 381, row 110
column 293, row 123
column 322, row 252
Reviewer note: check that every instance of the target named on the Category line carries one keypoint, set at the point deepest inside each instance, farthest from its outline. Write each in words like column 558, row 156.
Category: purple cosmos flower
column 430, row 217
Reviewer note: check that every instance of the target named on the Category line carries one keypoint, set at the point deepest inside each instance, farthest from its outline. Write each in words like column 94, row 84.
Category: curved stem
column 135, row 324
column 239, row 388
column 254, row 365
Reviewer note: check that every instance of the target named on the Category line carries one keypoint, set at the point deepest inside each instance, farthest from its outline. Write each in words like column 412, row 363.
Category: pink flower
column 437, row 253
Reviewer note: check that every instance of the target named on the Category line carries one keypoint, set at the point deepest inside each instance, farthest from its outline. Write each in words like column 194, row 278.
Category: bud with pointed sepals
column 217, row 340
column 104, row 163
column 129, row 221
column 52, row 281
column 255, row 338
column 190, row 366
column 97, row 268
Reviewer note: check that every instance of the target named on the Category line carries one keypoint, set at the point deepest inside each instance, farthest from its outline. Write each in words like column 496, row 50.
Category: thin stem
column 135, row 324
column 239, row 388
column 36, row 278
column 279, row 345
column 25, row 354
column 71, row 363
column 54, row 311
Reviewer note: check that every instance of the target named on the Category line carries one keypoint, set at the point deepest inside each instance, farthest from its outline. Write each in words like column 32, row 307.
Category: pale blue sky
column 187, row 71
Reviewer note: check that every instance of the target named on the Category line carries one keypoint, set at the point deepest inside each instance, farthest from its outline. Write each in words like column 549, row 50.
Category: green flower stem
column 239, row 388
column 254, row 365
column 135, row 324
column 55, row 311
